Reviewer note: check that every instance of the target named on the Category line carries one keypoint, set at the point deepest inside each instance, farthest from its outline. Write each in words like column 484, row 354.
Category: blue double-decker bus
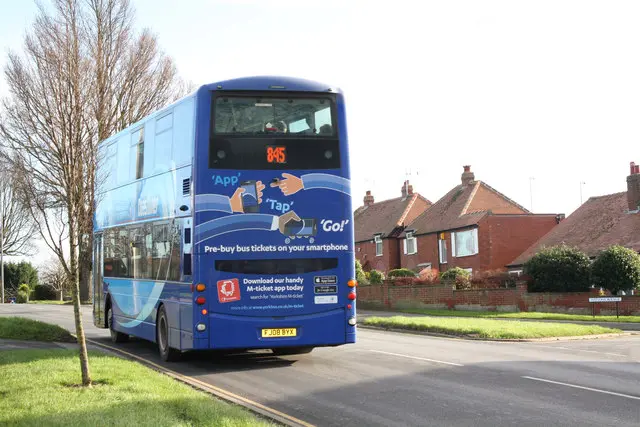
column 224, row 221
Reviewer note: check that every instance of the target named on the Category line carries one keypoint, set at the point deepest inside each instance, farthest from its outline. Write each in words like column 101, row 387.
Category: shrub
column 360, row 276
column 43, row 292
column 401, row 272
column 616, row 268
column 429, row 276
column 453, row 273
column 558, row 269
column 491, row 279
column 376, row 277
column 459, row 276
column 22, row 297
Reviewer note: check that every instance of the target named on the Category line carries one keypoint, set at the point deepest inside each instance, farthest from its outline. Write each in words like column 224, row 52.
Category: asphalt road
column 390, row 379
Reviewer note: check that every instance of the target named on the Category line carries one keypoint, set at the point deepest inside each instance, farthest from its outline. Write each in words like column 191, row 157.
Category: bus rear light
column 352, row 321
column 200, row 287
column 200, row 300
column 352, row 283
column 349, row 306
column 204, row 311
column 351, row 296
column 201, row 327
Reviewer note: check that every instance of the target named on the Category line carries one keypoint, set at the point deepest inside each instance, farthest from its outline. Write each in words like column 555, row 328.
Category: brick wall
column 507, row 236
column 389, row 296
column 366, row 254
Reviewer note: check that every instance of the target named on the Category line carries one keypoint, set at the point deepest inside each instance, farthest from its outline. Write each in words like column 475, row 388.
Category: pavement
column 396, row 379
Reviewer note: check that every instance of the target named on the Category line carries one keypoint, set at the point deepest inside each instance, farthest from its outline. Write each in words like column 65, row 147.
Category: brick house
column 474, row 227
column 600, row 222
column 377, row 227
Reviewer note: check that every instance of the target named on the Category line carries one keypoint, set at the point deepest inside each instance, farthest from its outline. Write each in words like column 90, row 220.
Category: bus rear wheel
column 286, row 351
column 167, row 353
column 116, row 336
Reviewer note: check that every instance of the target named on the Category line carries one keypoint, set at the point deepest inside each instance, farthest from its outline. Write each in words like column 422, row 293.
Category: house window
column 516, row 273
column 410, row 244
column 442, row 245
column 464, row 243
column 378, row 240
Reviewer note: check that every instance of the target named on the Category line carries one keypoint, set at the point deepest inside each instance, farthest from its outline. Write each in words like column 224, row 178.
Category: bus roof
column 272, row 83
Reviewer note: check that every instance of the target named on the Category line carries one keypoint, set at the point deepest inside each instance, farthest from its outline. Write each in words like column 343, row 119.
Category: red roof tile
column 464, row 206
column 384, row 217
column 599, row 223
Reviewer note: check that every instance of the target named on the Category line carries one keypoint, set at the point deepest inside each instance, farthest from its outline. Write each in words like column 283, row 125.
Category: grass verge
column 521, row 315
column 488, row 328
column 19, row 328
column 51, row 302
column 124, row 394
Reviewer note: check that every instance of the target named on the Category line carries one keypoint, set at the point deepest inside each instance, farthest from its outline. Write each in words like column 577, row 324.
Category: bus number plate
column 279, row 332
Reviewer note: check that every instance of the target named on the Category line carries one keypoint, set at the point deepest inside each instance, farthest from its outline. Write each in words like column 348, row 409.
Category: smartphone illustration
column 305, row 227
column 250, row 197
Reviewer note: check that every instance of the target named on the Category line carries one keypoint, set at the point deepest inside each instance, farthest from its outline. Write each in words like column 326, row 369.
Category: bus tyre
column 167, row 353
column 116, row 336
column 286, row 351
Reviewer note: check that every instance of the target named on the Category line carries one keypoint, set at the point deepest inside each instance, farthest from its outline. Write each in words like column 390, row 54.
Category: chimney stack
column 368, row 198
column 407, row 189
column 633, row 187
column 467, row 176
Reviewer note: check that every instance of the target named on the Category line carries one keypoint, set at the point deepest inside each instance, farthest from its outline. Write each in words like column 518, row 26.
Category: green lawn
column 39, row 388
column 520, row 315
column 19, row 328
column 488, row 328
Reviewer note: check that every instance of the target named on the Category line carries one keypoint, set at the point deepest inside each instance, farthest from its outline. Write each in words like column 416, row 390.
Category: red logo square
column 228, row 290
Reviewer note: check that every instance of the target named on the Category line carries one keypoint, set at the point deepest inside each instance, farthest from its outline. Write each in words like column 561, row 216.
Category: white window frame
column 441, row 243
column 516, row 273
column 474, row 232
column 409, row 236
column 377, row 239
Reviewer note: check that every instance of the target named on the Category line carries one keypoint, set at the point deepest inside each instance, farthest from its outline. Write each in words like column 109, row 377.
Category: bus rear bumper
column 313, row 330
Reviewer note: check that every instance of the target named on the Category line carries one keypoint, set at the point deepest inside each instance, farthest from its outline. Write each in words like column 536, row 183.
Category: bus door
column 98, row 295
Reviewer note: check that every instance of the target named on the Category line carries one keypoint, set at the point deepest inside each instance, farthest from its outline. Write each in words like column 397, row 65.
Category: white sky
column 516, row 89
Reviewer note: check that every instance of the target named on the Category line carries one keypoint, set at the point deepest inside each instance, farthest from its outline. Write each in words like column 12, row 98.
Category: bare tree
column 18, row 229
column 84, row 75
column 54, row 275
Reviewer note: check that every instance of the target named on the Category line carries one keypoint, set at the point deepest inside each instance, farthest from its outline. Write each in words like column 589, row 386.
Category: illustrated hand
column 284, row 220
column 289, row 185
column 259, row 188
column 236, row 201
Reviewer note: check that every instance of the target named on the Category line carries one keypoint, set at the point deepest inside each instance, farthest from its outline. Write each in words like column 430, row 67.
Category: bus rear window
column 233, row 115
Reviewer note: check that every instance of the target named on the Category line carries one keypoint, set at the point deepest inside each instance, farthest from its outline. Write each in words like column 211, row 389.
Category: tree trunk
column 75, row 291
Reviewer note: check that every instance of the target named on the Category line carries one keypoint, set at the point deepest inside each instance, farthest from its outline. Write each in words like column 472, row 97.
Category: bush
column 616, row 268
column 376, row 277
column 360, row 276
column 459, row 276
column 492, row 279
column 401, row 272
column 429, row 276
column 43, row 293
column 22, row 297
column 453, row 273
column 558, row 269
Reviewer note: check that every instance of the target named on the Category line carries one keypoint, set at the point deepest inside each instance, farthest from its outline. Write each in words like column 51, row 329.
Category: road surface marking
column 219, row 392
column 416, row 358
column 628, row 396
